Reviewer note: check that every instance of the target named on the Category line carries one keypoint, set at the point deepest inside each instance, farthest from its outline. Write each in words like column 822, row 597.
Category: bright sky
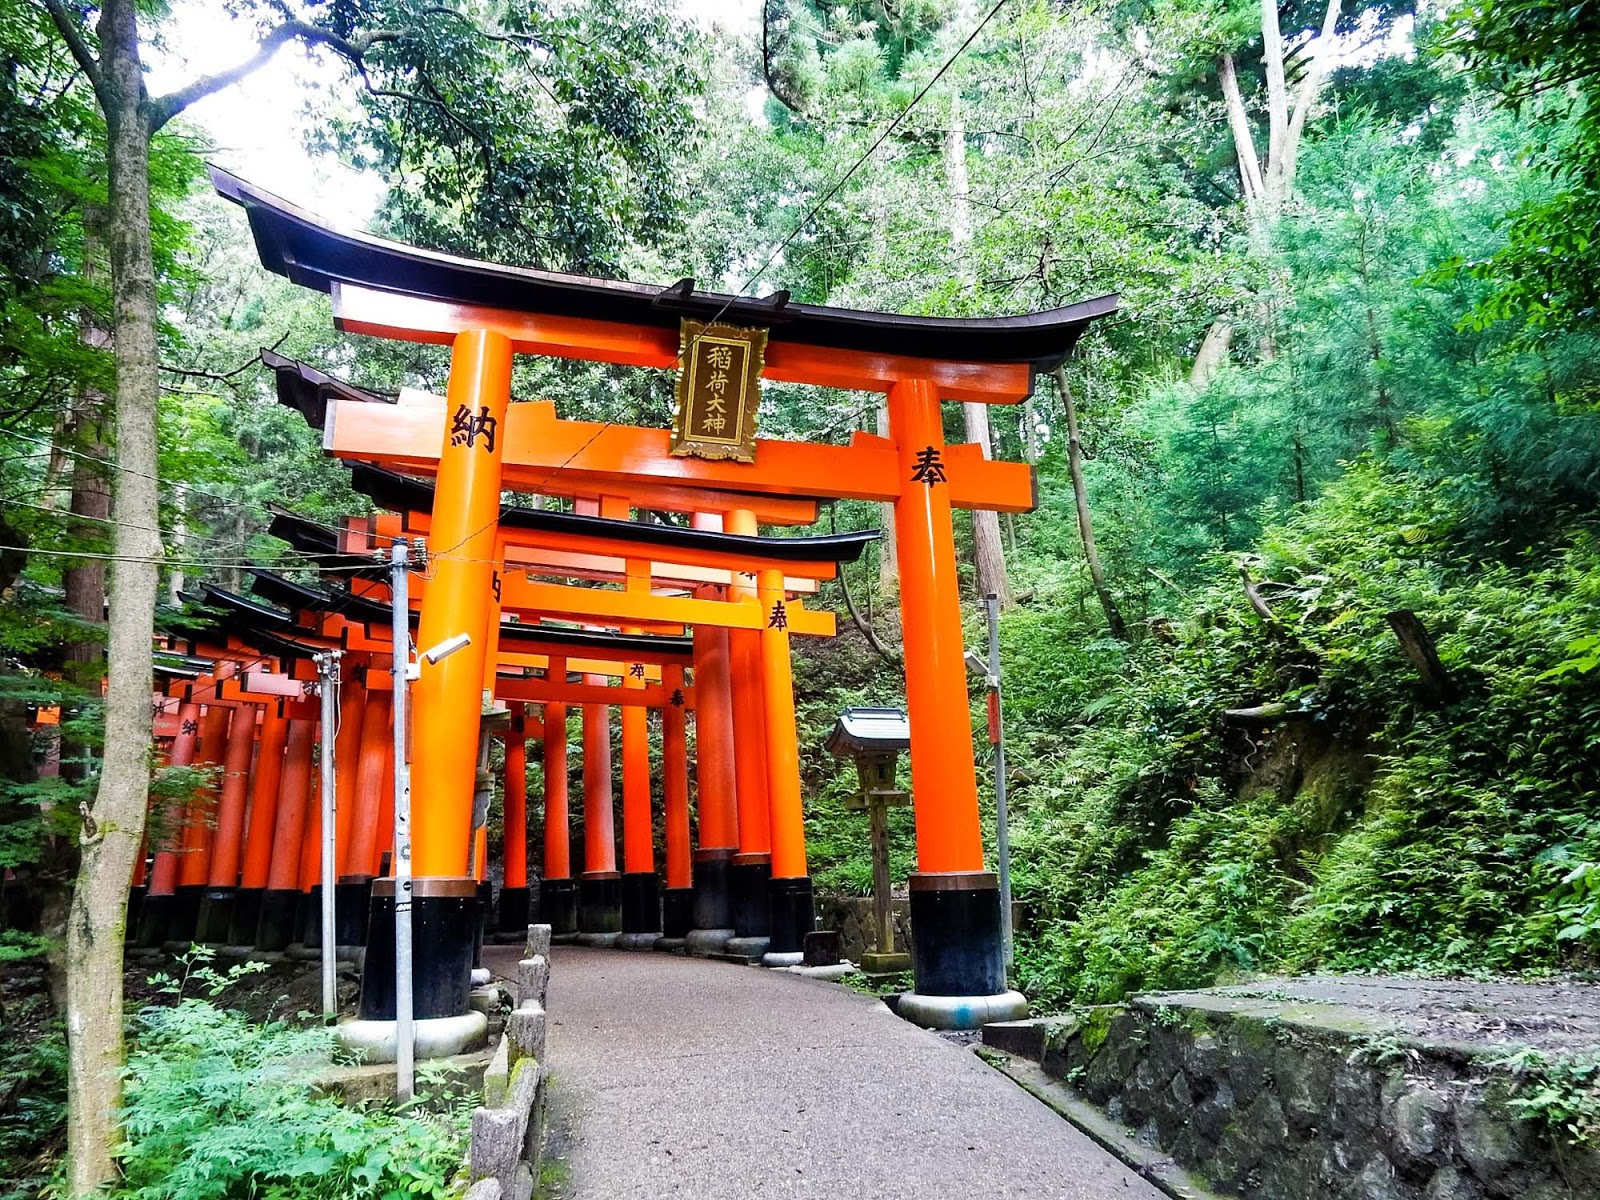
column 258, row 127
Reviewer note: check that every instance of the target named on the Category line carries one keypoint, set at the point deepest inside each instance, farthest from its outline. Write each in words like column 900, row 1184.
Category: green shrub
column 218, row 1107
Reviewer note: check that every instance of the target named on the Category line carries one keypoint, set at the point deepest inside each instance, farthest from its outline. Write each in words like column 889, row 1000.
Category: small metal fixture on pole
column 328, row 687
column 990, row 670
column 404, row 1046
column 874, row 737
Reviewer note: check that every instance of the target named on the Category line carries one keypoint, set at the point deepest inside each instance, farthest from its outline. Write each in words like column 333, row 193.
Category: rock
column 1201, row 1056
column 1265, row 1124
column 1210, row 1118
column 821, row 948
column 1356, row 1102
column 1450, row 1184
column 525, row 1032
column 1305, row 1084
column 1249, row 1061
column 484, row 1189
column 1420, row 1123
column 1488, row 1142
column 533, row 978
column 1379, row 1181
column 538, row 942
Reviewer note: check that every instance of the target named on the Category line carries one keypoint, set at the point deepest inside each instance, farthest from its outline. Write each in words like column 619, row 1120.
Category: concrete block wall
column 508, row 1129
column 853, row 917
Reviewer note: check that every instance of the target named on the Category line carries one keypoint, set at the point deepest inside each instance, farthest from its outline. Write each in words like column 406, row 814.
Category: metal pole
column 328, row 685
column 404, row 1060
column 1002, row 822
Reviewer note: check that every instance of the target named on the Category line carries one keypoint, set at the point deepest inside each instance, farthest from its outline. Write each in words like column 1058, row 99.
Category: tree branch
column 164, row 108
column 1277, row 93
column 1244, row 142
column 73, row 37
column 866, row 630
column 1310, row 86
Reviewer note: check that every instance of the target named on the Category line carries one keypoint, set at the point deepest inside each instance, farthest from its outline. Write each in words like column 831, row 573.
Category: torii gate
column 477, row 443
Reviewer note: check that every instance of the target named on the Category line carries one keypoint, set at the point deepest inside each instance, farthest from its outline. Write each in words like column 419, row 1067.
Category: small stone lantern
column 874, row 738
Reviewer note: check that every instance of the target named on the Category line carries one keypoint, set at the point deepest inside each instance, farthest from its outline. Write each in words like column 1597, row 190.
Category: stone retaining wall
column 853, row 917
column 1287, row 1101
column 508, row 1130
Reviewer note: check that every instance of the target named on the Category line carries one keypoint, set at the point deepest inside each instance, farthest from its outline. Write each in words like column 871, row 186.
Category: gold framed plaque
column 719, row 390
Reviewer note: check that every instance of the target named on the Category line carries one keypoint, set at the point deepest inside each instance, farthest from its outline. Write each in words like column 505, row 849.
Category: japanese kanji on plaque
column 719, row 391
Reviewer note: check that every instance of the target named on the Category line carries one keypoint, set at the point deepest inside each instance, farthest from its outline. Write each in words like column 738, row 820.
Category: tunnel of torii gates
column 599, row 607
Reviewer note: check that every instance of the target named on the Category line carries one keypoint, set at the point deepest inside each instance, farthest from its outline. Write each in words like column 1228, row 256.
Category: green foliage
column 33, row 1087
column 219, row 1107
column 1560, row 1093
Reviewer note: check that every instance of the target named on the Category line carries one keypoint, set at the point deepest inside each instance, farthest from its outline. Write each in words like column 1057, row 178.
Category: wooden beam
column 384, row 314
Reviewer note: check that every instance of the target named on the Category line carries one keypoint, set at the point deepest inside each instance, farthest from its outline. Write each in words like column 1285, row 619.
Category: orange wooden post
column 194, row 862
column 264, row 791
column 558, row 892
column 347, row 755
column 448, row 695
column 157, row 912
column 600, row 886
column 385, row 843
column 718, row 812
column 281, row 900
column 750, row 877
column 222, row 883
column 515, row 910
column 677, row 915
column 641, row 891
column 955, row 903
column 793, row 914
column 372, row 756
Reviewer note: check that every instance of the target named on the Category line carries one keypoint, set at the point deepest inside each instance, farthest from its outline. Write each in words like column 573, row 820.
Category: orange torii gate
column 476, row 443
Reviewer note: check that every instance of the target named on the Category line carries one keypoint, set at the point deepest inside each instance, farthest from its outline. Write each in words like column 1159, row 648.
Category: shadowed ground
column 678, row 1077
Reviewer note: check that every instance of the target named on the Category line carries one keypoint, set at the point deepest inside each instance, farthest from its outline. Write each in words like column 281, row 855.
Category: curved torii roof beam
column 971, row 358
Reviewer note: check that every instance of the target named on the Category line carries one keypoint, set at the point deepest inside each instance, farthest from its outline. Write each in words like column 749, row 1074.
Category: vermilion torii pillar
column 641, row 891
column 600, row 886
column 264, row 785
column 677, row 908
column 751, row 873
column 718, row 809
column 558, row 891
column 449, row 694
column 792, row 908
column 514, row 907
column 222, row 883
column 155, row 914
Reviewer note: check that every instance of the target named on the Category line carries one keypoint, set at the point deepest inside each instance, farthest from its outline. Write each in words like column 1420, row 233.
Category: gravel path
column 677, row 1077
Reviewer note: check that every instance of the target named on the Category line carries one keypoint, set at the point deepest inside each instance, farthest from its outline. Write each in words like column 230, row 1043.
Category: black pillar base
column 351, row 897
column 641, row 903
column 184, row 916
column 956, row 948
column 216, row 916
column 712, row 898
column 793, row 914
column 514, row 913
column 246, row 917
column 600, row 902
column 481, row 919
column 308, row 918
column 155, row 915
column 558, row 906
column 275, row 930
column 677, row 912
column 749, row 880
column 442, row 916
column 130, row 923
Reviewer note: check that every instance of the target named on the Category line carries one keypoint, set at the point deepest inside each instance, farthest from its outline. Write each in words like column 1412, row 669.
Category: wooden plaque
column 719, row 391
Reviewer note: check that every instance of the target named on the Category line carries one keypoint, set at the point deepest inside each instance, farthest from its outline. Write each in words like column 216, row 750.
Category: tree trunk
column 84, row 583
column 988, row 550
column 1213, row 353
column 1080, row 497
column 112, row 829
column 180, row 535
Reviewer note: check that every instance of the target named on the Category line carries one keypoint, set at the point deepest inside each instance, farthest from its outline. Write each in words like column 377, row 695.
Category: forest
column 1301, row 646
